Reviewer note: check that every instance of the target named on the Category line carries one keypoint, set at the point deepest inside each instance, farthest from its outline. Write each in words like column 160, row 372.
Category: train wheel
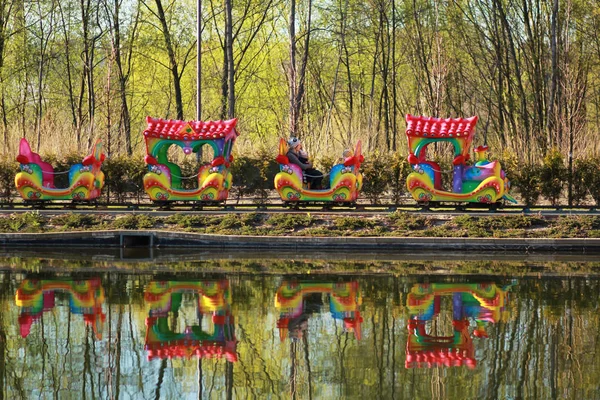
column 496, row 206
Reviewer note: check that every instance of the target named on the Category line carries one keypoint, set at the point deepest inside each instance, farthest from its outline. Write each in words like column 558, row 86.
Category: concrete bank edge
column 168, row 239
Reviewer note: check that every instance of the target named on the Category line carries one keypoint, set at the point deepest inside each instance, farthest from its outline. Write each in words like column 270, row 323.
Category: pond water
column 88, row 331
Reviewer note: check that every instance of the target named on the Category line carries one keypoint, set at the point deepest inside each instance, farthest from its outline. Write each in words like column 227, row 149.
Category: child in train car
column 345, row 155
column 297, row 155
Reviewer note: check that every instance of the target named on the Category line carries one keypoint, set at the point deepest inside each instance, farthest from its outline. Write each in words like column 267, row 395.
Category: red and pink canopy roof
column 440, row 128
column 421, row 131
column 190, row 130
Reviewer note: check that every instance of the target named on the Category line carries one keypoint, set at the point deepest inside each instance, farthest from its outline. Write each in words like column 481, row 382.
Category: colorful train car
column 164, row 180
column 345, row 180
column 36, row 179
column 482, row 182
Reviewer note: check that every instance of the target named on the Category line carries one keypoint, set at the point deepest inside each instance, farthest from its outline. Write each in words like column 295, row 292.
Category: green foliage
column 188, row 221
column 354, row 223
column 25, row 222
column 123, row 177
column 376, row 176
column 76, row 220
column 400, row 170
column 406, row 221
column 499, row 223
column 290, row 221
column 326, row 162
column 8, row 170
column 254, row 176
column 527, row 182
column 134, row 221
column 578, row 224
column 586, row 179
column 553, row 175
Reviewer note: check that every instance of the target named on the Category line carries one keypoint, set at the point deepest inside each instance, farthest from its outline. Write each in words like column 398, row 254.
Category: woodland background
column 331, row 72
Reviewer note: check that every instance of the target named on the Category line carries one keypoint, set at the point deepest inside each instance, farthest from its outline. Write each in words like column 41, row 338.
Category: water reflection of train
column 36, row 296
column 485, row 303
column 212, row 337
column 296, row 301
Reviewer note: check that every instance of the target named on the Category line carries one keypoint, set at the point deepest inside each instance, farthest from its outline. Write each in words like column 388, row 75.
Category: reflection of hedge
column 384, row 176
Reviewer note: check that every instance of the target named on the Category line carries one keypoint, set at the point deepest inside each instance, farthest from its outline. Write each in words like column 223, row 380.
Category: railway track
column 278, row 207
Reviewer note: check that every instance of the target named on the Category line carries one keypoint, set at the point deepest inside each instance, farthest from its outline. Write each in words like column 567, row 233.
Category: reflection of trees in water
column 4, row 288
column 552, row 329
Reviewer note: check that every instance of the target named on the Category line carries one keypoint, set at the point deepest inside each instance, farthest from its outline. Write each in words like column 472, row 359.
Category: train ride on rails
column 35, row 180
column 345, row 180
column 480, row 182
column 483, row 182
column 163, row 182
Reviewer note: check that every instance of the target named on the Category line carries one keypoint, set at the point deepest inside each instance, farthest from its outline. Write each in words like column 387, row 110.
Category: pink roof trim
column 439, row 127
column 177, row 130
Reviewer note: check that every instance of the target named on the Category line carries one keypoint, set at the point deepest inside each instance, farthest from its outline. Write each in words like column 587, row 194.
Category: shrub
column 290, row 221
column 506, row 222
column 231, row 221
column 25, row 222
column 582, row 171
column 354, row 223
column 134, row 221
column 254, row 176
column 527, row 182
column 553, row 175
column 586, row 179
column 123, row 176
column 187, row 221
column 8, row 170
column 400, row 169
column 405, row 221
column 376, row 176
column 73, row 220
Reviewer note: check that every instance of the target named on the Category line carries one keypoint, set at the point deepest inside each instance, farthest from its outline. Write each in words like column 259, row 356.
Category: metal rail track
column 318, row 208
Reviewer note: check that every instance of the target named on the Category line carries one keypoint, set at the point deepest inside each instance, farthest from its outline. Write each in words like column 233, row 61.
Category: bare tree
column 176, row 73
column 6, row 7
column 46, row 27
column 297, row 78
column 123, row 63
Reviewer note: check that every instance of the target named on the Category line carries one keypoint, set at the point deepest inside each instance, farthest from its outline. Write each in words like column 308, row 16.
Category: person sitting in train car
column 347, row 153
column 296, row 155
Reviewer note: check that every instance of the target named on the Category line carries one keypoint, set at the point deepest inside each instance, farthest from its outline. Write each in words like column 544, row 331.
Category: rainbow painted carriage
column 36, row 179
column 482, row 182
column 345, row 180
column 164, row 181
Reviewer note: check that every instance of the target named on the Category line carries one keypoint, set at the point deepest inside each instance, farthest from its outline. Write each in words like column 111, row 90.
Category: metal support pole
column 199, row 61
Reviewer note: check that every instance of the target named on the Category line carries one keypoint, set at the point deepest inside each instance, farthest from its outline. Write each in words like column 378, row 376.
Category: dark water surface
column 224, row 332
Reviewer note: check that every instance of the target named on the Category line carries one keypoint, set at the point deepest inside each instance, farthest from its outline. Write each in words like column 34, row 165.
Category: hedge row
column 384, row 176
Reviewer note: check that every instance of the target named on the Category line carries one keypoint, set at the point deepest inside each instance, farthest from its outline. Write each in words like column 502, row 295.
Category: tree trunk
column 172, row 59
column 125, row 119
column 292, row 68
column 297, row 78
